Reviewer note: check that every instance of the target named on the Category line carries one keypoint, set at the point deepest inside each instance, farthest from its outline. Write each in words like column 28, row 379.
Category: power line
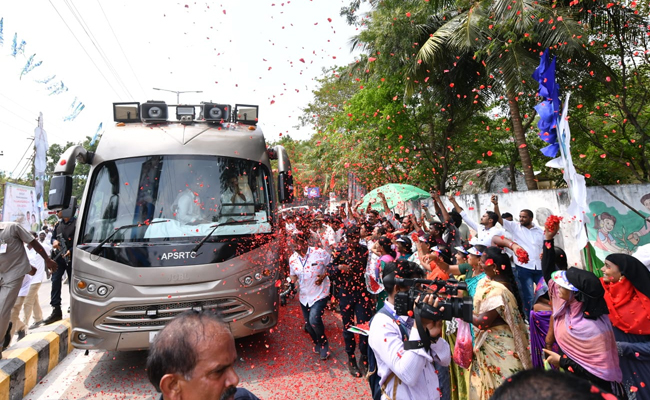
column 123, row 53
column 75, row 13
column 23, row 156
column 85, row 51
column 18, row 129
column 29, row 133
column 14, row 113
column 27, row 164
column 59, row 127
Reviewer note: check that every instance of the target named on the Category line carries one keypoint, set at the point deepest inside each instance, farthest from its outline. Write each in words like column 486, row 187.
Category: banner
column 20, row 206
column 575, row 182
column 312, row 192
column 40, row 163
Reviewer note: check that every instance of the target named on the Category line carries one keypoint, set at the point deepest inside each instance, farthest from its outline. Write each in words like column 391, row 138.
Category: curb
column 27, row 362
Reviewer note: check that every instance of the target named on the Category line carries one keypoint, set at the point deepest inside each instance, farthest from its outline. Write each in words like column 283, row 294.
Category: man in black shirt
column 348, row 267
column 63, row 232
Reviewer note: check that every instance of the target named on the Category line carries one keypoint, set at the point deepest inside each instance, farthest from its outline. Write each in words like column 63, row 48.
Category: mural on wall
column 614, row 231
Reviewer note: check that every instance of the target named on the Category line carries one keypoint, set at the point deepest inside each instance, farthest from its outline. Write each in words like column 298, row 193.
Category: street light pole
column 178, row 93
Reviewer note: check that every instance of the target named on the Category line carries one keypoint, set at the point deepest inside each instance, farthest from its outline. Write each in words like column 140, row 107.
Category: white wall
column 556, row 201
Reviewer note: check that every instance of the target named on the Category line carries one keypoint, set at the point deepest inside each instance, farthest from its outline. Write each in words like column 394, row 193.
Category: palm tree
column 506, row 36
column 392, row 35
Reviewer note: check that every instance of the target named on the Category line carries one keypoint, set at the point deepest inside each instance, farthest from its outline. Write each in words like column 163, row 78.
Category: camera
column 452, row 307
column 289, row 292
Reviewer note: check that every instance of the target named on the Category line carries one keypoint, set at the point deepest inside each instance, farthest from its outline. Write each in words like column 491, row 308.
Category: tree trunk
column 520, row 140
column 513, row 175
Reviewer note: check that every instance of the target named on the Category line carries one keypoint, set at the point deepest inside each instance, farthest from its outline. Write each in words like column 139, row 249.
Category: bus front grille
column 155, row 316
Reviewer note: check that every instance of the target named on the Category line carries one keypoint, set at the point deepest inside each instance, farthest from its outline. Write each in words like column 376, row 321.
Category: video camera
column 452, row 307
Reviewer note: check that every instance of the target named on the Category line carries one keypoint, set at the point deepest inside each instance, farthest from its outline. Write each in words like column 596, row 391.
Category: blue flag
column 549, row 108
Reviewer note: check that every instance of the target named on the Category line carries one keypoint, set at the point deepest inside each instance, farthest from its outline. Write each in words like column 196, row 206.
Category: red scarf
column 629, row 309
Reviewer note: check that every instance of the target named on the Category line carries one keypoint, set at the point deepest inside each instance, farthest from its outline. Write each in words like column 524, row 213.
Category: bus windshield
column 187, row 194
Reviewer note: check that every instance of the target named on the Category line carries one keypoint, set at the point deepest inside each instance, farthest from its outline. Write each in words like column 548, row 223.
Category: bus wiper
column 97, row 249
column 214, row 228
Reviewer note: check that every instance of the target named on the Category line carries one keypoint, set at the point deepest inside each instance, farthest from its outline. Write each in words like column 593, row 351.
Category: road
column 276, row 365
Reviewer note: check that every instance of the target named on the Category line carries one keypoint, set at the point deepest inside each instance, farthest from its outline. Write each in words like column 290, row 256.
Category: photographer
column 406, row 374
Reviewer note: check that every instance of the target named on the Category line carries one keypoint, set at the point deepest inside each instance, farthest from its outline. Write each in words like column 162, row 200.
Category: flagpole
column 590, row 262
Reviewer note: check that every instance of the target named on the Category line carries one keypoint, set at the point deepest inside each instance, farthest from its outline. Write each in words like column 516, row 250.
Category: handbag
column 463, row 350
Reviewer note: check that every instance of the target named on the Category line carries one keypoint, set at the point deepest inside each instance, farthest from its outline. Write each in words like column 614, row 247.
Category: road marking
column 60, row 379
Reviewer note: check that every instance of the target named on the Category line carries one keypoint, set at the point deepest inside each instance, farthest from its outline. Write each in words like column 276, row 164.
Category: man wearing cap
column 487, row 227
column 404, row 247
column 348, row 267
column 531, row 238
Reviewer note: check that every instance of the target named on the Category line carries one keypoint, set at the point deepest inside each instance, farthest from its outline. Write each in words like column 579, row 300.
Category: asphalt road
column 276, row 365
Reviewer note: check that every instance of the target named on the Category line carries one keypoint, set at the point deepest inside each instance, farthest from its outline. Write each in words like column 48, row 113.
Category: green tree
column 507, row 36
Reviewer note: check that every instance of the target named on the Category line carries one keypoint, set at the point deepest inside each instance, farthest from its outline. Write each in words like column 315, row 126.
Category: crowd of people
column 27, row 259
column 531, row 311
column 538, row 326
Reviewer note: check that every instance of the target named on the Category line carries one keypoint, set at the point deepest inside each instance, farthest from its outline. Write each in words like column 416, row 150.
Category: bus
column 176, row 215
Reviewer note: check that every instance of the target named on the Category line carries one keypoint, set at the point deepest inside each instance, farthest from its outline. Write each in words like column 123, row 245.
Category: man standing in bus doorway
column 63, row 231
column 349, row 267
column 14, row 264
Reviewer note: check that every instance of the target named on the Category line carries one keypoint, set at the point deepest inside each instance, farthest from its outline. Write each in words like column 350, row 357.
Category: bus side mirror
column 71, row 210
column 285, row 188
column 60, row 192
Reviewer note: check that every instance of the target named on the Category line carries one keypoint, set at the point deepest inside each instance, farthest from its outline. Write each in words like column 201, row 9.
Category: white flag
column 575, row 182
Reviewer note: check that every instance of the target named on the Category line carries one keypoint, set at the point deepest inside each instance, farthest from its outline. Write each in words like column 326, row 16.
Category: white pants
column 31, row 304
column 19, row 325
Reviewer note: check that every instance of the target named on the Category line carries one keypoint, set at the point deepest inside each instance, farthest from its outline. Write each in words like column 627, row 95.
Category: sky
column 263, row 52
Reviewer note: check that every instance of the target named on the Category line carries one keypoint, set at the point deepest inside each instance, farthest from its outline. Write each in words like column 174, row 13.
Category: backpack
column 371, row 376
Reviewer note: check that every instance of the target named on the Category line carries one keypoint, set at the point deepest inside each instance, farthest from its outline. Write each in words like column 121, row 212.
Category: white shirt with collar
column 483, row 236
column 414, row 368
column 307, row 270
column 531, row 239
column 37, row 262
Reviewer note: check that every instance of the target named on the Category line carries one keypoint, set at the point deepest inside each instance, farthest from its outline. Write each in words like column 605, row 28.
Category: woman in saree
column 501, row 344
column 386, row 255
column 581, row 326
column 627, row 292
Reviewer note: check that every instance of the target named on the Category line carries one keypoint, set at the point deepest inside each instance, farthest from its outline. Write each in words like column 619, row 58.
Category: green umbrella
column 395, row 193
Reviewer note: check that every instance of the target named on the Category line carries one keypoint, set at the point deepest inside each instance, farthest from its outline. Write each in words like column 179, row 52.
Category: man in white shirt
column 32, row 303
column 236, row 194
column 531, row 238
column 406, row 374
column 187, row 207
column 308, row 267
column 487, row 227
column 322, row 236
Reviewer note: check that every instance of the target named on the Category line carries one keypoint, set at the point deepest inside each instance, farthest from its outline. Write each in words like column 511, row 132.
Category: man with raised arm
column 531, row 238
column 485, row 229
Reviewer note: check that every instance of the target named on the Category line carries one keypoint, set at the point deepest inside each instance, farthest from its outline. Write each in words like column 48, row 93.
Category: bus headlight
column 255, row 277
column 92, row 289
